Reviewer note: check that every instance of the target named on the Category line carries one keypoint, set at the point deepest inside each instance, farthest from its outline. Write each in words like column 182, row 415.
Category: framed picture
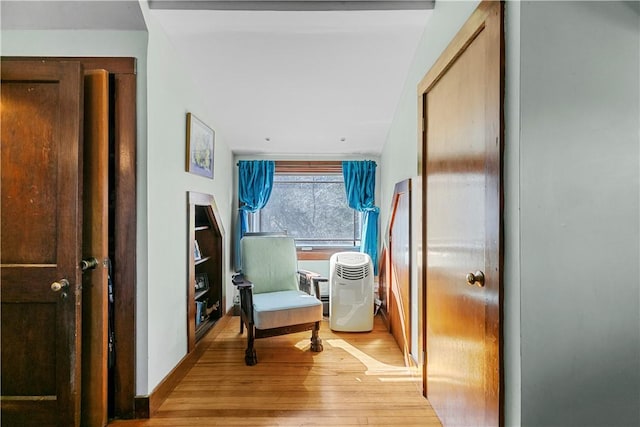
column 202, row 281
column 197, row 255
column 200, row 144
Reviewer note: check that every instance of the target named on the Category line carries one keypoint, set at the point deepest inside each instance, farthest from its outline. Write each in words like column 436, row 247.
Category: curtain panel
column 255, row 182
column 360, row 185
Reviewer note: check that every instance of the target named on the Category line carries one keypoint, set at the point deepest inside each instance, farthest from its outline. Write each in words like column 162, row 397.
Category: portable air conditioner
column 351, row 292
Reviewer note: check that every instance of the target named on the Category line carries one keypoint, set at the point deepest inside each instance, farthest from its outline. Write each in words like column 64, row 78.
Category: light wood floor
column 359, row 379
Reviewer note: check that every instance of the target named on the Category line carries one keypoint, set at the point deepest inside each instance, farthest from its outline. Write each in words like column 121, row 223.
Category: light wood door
column 462, row 103
column 41, row 242
column 400, row 266
column 95, row 245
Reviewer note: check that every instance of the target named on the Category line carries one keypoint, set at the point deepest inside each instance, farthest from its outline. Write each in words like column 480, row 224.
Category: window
column 309, row 203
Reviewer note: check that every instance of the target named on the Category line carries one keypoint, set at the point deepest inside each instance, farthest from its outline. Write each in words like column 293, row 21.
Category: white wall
column 399, row 156
column 579, row 231
column 165, row 94
column 171, row 95
column 399, row 159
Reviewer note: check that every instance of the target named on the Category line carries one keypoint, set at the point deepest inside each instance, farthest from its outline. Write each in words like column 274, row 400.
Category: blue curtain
column 360, row 184
column 255, row 182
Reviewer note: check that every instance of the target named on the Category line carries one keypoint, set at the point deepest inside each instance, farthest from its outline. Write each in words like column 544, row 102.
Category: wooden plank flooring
column 359, row 379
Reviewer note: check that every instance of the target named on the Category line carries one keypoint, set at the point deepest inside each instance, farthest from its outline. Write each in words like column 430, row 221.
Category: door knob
column 59, row 285
column 476, row 278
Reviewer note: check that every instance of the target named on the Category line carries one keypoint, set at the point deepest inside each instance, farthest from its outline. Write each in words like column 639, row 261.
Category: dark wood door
column 462, row 110
column 96, row 246
column 400, row 265
column 41, row 242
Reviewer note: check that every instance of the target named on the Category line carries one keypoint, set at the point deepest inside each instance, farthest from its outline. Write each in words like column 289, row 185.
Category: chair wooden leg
column 316, row 342
column 241, row 325
column 250, row 356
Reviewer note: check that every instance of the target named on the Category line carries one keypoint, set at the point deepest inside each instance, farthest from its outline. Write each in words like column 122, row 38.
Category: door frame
column 467, row 33
column 123, row 72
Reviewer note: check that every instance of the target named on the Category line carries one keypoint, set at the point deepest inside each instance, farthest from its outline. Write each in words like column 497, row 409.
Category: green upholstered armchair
column 271, row 300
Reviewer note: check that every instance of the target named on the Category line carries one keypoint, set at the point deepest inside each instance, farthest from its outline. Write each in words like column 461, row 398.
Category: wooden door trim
column 475, row 24
column 123, row 71
column 471, row 28
column 124, row 271
column 116, row 65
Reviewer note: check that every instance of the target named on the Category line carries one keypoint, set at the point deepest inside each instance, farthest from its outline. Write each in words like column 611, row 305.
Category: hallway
column 359, row 379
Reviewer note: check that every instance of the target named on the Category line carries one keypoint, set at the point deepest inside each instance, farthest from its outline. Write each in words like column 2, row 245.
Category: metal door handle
column 476, row 278
column 59, row 285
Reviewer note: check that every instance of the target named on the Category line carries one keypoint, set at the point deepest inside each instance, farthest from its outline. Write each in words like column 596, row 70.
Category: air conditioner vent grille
column 352, row 272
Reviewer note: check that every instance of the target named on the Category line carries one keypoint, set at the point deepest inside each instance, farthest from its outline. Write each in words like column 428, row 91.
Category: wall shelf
column 202, row 260
column 206, row 305
column 200, row 294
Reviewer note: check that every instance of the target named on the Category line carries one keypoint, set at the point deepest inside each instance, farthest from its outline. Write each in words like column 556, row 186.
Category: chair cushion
column 270, row 263
column 285, row 308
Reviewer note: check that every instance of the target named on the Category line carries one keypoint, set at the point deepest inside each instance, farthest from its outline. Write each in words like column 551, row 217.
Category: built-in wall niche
column 205, row 281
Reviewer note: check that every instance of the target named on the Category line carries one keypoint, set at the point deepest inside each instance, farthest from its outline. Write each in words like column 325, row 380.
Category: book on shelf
column 201, row 307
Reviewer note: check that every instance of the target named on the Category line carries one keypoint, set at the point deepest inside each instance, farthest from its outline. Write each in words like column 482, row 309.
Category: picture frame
column 202, row 281
column 200, row 147
column 197, row 255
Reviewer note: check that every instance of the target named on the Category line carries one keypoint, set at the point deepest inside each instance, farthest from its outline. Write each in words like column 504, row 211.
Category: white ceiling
column 71, row 15
column 304, row 80
column 313, row 82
